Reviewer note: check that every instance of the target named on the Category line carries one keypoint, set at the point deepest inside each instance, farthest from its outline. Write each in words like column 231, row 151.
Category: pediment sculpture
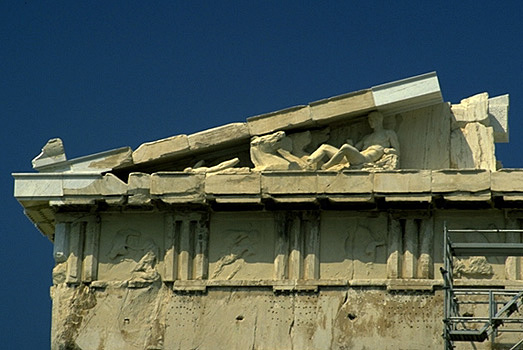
column 378, row 150
column 330, row 134
column 199, row 167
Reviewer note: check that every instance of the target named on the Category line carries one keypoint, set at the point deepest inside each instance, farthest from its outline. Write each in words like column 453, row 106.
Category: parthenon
column 321, row 226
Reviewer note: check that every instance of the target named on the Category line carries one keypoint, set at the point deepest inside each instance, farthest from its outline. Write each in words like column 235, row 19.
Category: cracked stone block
column 460, row 180
column 280, row 120
column 402, row 181
column 222, row 135
column 163, row 148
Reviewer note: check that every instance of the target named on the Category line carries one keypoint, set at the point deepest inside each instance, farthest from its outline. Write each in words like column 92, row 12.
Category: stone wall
column 286, row 279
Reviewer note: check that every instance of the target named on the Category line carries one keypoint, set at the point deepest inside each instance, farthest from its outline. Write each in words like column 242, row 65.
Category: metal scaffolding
column 499, row 306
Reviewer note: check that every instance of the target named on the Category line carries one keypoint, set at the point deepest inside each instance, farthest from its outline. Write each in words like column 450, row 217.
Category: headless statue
column 369, row 150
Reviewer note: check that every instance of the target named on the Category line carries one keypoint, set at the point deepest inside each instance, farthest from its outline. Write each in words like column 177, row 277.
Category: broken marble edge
column 92, row 163
column 498, row 108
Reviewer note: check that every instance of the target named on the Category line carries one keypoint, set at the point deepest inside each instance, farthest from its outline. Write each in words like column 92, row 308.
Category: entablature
column 45, row 193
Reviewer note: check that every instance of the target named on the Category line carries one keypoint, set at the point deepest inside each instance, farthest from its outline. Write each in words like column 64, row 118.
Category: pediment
column 412, row 109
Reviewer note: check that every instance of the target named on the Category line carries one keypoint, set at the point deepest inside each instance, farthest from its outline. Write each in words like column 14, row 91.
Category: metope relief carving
column 137, row 253
column 479, row 267
column 473, row 267
column 353, row 247
column 240, row 247
column 364, row 246
column 234, row 253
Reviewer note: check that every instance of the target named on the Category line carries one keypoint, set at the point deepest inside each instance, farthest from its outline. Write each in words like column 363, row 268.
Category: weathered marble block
column 230, row 184
column 178, row 186
column 402, row 181
column 163, row 148
column 280, row 120
column 345, row 182
column 460, row 180
column 507, row 180
column 281, row 183
column 332, row 109
column 219, row 136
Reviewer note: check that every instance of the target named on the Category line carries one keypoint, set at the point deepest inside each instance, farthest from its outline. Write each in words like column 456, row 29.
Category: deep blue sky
column 106, row 74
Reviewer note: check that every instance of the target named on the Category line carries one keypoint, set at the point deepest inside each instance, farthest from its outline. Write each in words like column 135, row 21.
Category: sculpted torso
column 384, row 138
column 369, row 150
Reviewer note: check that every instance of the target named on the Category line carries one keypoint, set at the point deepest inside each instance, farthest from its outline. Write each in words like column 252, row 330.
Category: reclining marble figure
column 369, row 151
column 200, row 169
column 276, row 151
